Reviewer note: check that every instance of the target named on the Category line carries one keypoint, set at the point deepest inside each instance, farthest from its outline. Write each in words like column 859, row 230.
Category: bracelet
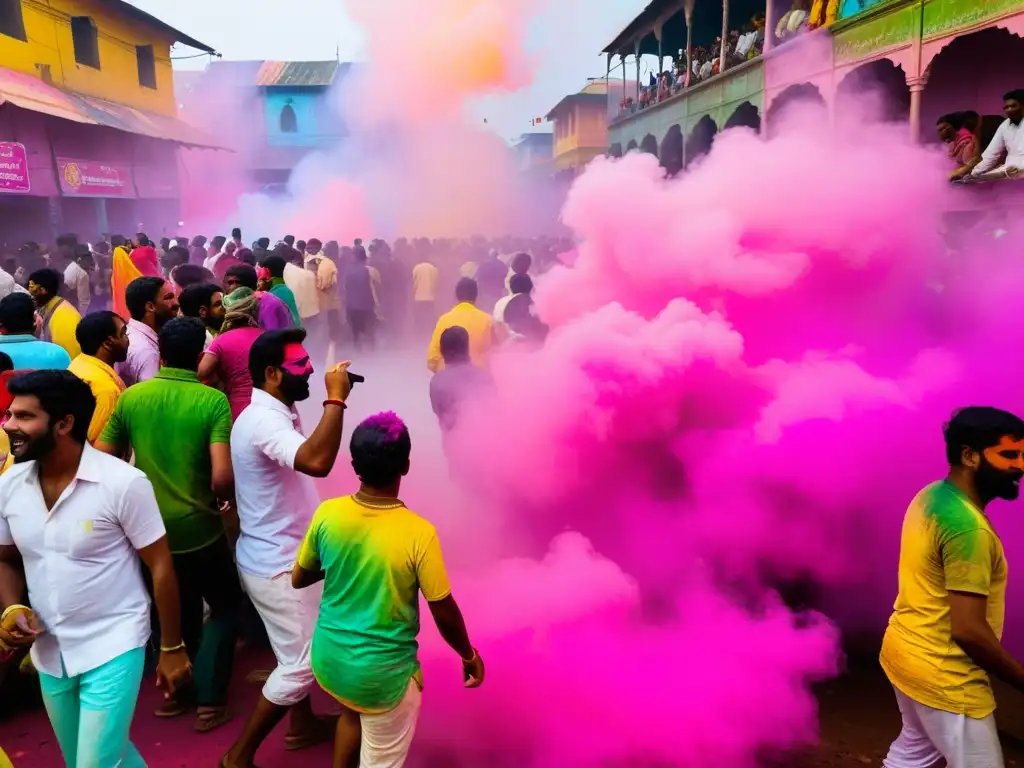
column 339, row 403
column 173, row 649
column 16, row 608
column 476, row 655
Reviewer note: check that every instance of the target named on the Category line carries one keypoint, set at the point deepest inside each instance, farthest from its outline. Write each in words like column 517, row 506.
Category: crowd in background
column 186, row 357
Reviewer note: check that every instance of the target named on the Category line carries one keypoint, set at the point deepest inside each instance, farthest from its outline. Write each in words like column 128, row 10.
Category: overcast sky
column 568, row 43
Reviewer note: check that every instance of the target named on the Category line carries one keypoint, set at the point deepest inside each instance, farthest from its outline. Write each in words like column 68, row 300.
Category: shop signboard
column 14, row 168
column 84, row 178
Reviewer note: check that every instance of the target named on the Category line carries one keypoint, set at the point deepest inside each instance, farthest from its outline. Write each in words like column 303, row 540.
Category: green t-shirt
column 170, row 422
column 377, row 557
column 284, row 293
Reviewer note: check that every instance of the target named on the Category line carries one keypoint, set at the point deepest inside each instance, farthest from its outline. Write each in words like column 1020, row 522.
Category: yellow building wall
column 48, row 29
column 581, row 127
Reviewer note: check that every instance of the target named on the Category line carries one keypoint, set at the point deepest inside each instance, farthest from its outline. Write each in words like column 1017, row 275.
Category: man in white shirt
column 1009, row 139
column 76, row 277
column 152, row 302
column 302, row 284
column 75, row 518
column 274, row 463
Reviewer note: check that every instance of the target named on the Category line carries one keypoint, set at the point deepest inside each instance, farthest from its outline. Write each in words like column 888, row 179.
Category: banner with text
column 14, row 168
column 82, row 178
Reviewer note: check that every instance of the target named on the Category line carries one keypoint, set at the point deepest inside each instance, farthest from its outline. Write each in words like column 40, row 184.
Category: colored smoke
column 743, row 389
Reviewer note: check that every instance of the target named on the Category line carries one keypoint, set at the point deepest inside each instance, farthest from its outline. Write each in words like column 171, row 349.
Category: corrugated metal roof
column 127, row 9
column 30, row 93
column 297, row 74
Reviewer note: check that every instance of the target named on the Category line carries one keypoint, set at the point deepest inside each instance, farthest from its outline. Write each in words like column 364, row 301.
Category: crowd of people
column 742, row 45
column 151, row 453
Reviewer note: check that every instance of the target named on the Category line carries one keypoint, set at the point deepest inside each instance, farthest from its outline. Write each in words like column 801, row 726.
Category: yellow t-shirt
column 478, row 324
column 106, row 387
column 6, row 460
column 4, row 762
column 948, row 545
column 62, row 325
column 377, row 557
column 424, row 282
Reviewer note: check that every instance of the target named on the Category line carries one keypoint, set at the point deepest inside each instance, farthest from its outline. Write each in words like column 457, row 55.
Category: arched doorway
column 746, row 115
column 649, row 145
column 701, row 138
column 289, row 121
column 672, row 151
column 802, row 100
column 972, row 73
column 873, row 92
column 615, row 150
column 631, row 146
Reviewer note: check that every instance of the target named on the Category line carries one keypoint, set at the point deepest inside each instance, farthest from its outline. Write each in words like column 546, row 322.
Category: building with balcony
column 915, row 59
column 580, row 128
column 89, row 130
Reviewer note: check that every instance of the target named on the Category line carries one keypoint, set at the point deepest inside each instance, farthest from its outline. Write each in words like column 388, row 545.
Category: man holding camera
column 274, row 466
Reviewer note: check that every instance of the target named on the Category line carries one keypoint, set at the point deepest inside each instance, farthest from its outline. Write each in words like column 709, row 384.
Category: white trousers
column 929, row 735
column 388, row 736
column 290, row 618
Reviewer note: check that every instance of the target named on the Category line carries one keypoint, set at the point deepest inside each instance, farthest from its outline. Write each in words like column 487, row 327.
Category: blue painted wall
column 853, row 7
column 314, row 124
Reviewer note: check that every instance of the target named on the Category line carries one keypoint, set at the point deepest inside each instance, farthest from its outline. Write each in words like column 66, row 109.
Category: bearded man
column 943, row 640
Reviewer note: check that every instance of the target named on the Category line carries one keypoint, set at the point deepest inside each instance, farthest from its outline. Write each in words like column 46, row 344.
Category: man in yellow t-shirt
column 943, row 639
column 478, row 324
column 103, row 337
column 424, row 296
column 59, row 318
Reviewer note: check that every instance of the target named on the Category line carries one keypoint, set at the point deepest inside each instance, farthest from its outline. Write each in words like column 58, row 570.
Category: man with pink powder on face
column 274, row 465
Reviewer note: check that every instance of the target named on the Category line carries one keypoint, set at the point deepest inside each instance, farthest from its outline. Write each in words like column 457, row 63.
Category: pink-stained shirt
column 231, row 350
column 274, row 313
column 145, row 260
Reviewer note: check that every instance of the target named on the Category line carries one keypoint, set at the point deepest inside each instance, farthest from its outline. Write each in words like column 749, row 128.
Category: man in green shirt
column 272, row 281
column 179, row 431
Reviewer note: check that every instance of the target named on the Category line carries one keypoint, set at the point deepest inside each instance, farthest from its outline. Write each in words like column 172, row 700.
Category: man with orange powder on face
column 943, row 640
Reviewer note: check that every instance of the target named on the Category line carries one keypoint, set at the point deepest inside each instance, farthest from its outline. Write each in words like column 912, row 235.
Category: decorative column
column 622, row 60
column 661, row 57
column 725, row 36
column 916, row 85
column 688, row 10
column 769, row 27
column 636, row 54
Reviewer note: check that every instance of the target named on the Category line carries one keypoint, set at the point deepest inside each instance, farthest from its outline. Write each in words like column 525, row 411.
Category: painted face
column 1001, row 468
column 296, row 370
column 296, row 361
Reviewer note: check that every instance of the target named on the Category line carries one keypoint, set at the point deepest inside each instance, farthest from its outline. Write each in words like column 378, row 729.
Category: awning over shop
column 33, row 94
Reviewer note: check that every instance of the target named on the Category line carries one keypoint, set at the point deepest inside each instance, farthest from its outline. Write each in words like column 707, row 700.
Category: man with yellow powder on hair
column 375, row 556
column 943, row 640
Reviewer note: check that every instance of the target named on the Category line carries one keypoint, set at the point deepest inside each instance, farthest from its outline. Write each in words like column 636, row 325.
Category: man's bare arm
column 12, row 576
column 971, row 631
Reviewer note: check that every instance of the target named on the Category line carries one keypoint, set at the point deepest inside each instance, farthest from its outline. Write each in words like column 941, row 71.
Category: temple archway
column 802, row 100
column 671, row 153
column 873, row 92
column 745, row 115
column 700, row 140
